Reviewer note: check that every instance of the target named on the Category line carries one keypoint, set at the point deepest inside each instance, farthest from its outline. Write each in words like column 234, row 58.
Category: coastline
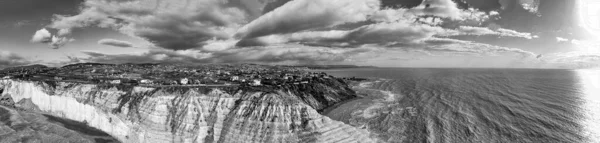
column 373, row 108
column 367, row 97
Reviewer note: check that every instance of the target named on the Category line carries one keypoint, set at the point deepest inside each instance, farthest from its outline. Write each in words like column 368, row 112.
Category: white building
column 6, row 77
column 235, row 78
column 145, row 81
column 115, row 82
column 184, row 81
column 256, row 82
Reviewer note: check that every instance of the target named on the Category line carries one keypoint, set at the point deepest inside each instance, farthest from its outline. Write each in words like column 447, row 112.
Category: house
column 256, row 82
column 115, row 81
column 6, row 77
column 184, row 81
column 146, row 81
column 235, row 78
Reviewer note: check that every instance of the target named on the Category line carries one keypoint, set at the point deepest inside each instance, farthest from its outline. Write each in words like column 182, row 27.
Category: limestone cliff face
column 183, row 114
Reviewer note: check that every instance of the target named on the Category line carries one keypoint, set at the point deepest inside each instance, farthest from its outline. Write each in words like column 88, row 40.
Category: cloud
column 310, row 31
column 480, row 31
column 180, row 26
column 58, row 42
column 561, row 39
column 380, row 33
column 513, row 33
column 435, row 18
column 22, row 23
column 116, row 43
column 573, row 60
column 385, row 33
column 302, row 15
column 168, row 24
column 460, row 46
column 302, row 54
column 439, row 8
column 290, row 54
column 41, row 36
column 529, row 5
column 44, row 36
column 469, row 30
column 9, row 59
column 392, row 32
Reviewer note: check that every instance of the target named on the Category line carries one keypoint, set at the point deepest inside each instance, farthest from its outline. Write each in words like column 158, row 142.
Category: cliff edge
column 193, row 114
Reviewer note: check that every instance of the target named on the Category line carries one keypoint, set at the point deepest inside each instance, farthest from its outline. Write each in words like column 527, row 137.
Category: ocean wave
column 386, row 95
column 389, row 95
column 370, row 83
column 479, row 105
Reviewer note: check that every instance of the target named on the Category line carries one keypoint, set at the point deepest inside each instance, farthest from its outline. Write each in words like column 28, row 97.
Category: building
column 6, row 77
column 184, row 81
column 235, row 78
column 256, row 82
column 115, row 81
column 146, row 81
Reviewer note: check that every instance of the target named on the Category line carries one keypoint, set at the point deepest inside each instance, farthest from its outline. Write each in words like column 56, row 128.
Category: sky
column 385, row 33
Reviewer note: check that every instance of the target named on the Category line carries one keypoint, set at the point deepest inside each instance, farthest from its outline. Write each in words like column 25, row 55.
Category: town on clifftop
column 161, row 75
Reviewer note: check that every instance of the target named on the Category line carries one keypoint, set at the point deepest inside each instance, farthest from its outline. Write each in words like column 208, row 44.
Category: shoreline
column 328, row 110
column 343, row 111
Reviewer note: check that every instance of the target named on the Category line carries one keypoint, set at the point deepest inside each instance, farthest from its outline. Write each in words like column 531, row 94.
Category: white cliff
column 145, row 114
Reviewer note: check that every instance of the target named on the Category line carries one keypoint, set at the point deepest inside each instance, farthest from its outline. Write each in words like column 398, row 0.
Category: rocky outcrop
column 199, row 114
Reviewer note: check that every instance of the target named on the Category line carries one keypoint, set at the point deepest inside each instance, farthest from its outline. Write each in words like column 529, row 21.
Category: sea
column 476, row 105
